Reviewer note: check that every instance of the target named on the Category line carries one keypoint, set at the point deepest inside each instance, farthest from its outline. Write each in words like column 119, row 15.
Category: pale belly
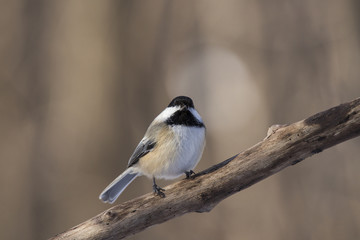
column 176, row 152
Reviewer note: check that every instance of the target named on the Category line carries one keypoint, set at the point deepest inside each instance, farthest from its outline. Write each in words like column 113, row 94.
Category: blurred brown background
column 81, row 80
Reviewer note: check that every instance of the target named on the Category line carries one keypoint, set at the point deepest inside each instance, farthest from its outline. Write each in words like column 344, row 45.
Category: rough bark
column 284, row 146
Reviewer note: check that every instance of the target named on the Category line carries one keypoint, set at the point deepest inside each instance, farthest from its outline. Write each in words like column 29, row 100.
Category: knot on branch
column 109, row 216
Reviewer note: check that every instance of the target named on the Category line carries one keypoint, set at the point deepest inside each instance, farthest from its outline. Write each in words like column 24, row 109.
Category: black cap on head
column 182, row 101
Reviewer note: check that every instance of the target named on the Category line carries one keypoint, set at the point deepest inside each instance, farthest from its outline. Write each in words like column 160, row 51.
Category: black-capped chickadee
column 172, row 146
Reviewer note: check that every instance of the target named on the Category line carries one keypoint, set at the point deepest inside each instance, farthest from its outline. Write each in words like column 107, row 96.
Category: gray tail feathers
column 113, row 191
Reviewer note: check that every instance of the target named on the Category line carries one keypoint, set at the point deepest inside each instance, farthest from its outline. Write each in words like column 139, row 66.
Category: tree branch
column 284, row 146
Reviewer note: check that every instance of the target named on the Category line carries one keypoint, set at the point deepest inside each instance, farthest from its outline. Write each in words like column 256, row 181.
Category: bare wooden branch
column 285, row 145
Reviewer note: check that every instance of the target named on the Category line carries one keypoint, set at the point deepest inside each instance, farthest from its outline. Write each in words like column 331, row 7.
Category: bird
column 172, row 146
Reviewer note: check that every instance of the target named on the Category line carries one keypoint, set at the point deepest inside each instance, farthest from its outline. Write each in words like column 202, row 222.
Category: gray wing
column 144, row 147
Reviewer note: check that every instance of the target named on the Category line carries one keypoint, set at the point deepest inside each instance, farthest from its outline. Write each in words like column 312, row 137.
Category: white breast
column 190, row 142
column 177, row 151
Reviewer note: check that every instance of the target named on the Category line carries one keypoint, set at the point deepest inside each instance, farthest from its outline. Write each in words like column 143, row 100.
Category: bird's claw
column 158, row 191
column 189, row 173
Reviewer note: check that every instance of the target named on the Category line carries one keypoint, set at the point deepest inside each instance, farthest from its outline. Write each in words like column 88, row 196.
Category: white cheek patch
column 196, row 114
column 164, row 115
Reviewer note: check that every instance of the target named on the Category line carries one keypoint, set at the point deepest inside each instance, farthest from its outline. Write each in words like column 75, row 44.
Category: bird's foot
column 189, row 173
column 158, row 191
